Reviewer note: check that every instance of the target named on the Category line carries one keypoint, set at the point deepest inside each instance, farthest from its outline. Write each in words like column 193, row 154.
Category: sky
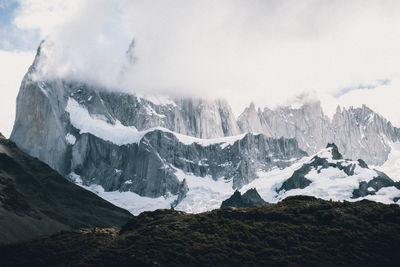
column 270, row 52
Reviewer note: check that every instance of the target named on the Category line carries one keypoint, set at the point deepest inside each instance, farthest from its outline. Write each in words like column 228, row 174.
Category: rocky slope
column 358, row 132
column 299, row 231
column 327, row 175
column 330, row 164
column 36, row 200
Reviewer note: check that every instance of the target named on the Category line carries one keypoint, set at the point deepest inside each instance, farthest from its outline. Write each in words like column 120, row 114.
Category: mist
column 267, row 52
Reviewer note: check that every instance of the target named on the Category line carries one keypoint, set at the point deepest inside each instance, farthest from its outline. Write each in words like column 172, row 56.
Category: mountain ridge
column 358, row 132
column 299, row 230
column 36, row 200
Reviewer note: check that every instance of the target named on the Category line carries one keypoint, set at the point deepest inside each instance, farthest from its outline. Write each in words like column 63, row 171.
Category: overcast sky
column 270, row 52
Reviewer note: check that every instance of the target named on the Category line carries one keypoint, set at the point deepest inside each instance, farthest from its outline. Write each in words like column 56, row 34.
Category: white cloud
column 254, row 50
column 13, row 66
column 47, row 16
column 383, row 99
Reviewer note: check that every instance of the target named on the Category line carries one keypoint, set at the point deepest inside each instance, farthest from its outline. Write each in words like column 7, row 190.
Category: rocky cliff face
column 358, row 132
column 362, row 133
column 41, row 121
column 149, row 167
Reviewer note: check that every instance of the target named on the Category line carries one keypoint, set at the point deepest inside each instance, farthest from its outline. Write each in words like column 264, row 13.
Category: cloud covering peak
column 262, row 51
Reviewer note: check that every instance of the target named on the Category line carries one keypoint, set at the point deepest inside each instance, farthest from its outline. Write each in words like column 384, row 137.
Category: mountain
column 329, row 164
column 147, row 152
column 36, row 200
column 325, row 175
column 249, row 199
column 145, row 145
column 42, row 103
column 301, row 230
column 358, row 132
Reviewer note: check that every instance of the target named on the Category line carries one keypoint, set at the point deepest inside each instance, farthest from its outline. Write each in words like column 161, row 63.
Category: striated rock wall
column 149, row 167
column 358, row 132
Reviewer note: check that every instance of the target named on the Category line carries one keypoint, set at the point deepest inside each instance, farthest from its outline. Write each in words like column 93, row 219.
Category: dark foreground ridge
column 36, row 200
column 249, row 199
column 297, row 231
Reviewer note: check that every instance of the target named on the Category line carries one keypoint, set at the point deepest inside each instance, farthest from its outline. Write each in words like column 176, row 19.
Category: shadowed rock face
column 297, row 180
column 249, row 199
column 36, row 200
column 335, row 151
column 148, row 168
column 378, row 182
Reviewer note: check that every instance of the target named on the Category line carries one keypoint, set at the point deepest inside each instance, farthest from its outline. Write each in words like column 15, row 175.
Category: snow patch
column 158, row 99
column 370, row 118
column 223, row 141
column 392, row 165
column 132, row 202
column 150, row 111
column 75, row 178
column 122, row 135
column 96, row 125
column 204, row 193
column 384, row 195
column 70, row 138
column 330, row 183
column 42, row 88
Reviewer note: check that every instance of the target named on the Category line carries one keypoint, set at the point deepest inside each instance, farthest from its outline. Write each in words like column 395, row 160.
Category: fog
column 268, row 52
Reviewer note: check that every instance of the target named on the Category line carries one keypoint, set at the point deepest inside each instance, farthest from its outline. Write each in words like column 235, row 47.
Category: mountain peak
column 364, row 106
column 252, row 106
column 338, row 109
column 335, row 151
column 249, row 199
column 131, row 52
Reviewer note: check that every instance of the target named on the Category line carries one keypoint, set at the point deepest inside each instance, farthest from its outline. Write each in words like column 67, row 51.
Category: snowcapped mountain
column 148, row 152
column 328, row 176
column 42, row 121
column 324, row 175
column 307, row 124
column 358, row 132
column 146, row 146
